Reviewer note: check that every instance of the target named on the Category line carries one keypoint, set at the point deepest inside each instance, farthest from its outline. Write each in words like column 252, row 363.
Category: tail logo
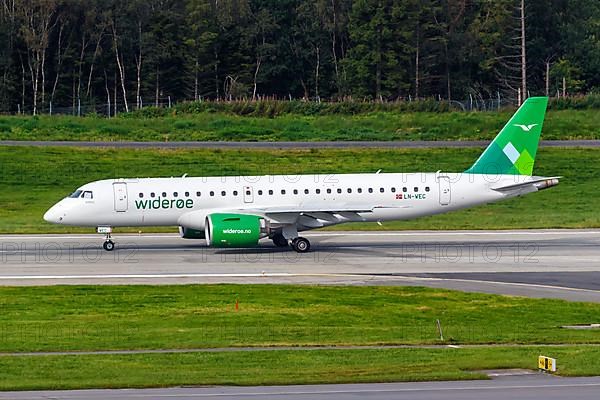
column 526, row 128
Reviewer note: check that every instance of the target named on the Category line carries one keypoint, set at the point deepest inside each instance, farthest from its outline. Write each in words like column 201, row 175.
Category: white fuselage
column 187, row 201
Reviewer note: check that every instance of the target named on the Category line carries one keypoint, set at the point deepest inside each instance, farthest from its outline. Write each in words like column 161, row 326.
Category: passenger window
column 339, row 190
column 187, row 194
column 164, row 194
column 248, row 193
column 328, row 191
column 235, row 192
column 270, row 192
column 175, row 194
column 416, row 189
column 359, row 190
column 152, row 194
column 260, row 192
column 381, row 190
column 212, row 193
column 318, row 191
column 223, row 193
column 282, row 191
column 349, row 190
column 404, row 189
column 305, row 191
column 427, row 188
column 370, row 190
column 141, row 195
column 295, row 191
column 393, row 190
column 197, row 194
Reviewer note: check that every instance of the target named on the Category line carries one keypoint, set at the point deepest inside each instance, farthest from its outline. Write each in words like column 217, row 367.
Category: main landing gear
column 108, row 245
column 299, row 244
column 280, row 241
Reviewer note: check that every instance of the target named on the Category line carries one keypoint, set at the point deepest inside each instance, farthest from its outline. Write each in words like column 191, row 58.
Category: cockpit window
column 75, row 194
column 88, row 195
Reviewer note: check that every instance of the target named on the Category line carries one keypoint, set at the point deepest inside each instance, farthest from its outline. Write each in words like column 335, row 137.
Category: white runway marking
column 453, row 233
column 175, row 276
column 365, row 391
column 536, row 285
column 91, row 236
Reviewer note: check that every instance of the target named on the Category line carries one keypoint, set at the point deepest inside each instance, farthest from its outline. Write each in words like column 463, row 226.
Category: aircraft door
column 444, row 188
column 120, row 194
column 248, row 194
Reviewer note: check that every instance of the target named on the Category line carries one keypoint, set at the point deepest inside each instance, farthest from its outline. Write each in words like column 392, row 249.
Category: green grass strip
column 281, row 367
column 563, row 124
column 61, row 318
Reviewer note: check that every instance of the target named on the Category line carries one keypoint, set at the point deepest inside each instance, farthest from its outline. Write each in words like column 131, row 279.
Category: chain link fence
column 111, row 109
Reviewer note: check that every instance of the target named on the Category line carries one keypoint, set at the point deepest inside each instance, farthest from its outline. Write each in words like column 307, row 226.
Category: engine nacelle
column 235, row 230
column 189, row 233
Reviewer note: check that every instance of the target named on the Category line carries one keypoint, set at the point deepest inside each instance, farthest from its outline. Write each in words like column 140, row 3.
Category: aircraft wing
column 308, row 209
column 314, row 216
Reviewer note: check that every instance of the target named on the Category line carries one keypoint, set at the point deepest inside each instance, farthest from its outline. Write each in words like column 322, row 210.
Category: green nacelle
column 189, row 233
column 233, row 230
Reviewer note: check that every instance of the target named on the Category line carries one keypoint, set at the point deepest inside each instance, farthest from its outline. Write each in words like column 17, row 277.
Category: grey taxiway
column 538, row 263
column 523, row 387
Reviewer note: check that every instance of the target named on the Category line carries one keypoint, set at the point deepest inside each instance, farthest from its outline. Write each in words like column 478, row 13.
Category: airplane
column 239, row 211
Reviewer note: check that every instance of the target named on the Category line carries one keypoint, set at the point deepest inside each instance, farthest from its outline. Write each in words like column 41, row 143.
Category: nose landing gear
column 108, row 245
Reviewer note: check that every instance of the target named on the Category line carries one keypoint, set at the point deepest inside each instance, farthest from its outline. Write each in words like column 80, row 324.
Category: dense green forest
column 130, row 53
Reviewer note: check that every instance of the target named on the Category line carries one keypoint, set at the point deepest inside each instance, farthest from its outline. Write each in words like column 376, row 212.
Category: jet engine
column 235, row 230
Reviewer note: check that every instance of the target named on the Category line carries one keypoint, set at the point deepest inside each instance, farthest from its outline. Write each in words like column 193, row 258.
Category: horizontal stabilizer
column 537, row 183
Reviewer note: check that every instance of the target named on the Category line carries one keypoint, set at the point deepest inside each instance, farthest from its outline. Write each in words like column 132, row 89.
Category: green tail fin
column 513, row 151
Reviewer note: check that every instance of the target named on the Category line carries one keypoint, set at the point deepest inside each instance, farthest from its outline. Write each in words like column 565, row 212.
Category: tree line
column 132, row 53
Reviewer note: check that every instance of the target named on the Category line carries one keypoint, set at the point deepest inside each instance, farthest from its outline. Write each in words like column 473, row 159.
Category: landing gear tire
column 280, row 241
column 301, row 245
column 109, row 245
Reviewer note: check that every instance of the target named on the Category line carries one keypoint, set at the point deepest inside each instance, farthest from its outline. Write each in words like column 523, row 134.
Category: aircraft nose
column 53, row 215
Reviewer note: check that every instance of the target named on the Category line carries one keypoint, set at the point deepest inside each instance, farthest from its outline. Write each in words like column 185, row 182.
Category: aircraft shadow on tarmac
column 352, row 246
column 410, row 251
